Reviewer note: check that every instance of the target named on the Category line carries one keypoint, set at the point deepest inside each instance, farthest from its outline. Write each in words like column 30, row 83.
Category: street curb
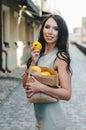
column 80, row 47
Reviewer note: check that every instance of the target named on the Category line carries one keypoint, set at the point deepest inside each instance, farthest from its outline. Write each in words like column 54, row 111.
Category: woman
column 55, row 55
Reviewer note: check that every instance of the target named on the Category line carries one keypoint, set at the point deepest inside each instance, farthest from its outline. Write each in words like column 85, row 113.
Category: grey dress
column 49, row 116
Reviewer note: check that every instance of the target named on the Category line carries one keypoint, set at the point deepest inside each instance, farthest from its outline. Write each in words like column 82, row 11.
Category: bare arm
column 35, row 56
column 64, row 90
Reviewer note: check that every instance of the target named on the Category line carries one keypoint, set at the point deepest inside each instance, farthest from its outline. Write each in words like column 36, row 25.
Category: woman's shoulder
column 60, row 60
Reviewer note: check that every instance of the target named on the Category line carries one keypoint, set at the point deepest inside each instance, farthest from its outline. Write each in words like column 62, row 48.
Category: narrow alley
column 17, row 114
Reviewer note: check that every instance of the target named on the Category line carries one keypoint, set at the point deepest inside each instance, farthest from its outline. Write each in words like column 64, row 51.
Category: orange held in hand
column 37, row 45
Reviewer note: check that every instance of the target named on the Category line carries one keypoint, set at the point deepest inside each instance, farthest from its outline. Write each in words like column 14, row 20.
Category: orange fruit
column 45, row 73
column 37, row 68
column 37, row 45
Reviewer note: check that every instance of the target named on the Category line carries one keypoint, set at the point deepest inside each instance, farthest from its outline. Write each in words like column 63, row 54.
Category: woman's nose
column 50, row 31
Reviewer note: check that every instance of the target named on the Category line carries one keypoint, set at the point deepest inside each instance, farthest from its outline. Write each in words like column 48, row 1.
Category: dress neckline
column 53, row 51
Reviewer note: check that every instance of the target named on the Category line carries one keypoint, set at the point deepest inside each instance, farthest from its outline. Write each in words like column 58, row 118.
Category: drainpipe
column 0, row 34
column 1, row 69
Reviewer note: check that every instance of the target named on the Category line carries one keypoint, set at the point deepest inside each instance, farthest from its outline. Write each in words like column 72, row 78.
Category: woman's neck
column 49, row 48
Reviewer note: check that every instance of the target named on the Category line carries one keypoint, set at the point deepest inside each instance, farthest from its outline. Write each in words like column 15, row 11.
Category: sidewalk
column 17, row 114
column 9, row 81
column 81, row 47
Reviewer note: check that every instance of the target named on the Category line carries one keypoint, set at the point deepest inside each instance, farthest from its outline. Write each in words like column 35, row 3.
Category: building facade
column 19, row 28
column 84, row 29
column 79, row 33
column 19, row 25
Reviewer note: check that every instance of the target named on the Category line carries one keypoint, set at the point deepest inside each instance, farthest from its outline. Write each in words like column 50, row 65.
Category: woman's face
column 50, row 31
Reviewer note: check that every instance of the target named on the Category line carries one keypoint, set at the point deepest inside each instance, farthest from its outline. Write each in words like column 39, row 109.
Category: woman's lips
column 49, row 37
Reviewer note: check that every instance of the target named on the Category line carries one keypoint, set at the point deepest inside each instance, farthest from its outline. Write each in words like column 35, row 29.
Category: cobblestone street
column 17, row 114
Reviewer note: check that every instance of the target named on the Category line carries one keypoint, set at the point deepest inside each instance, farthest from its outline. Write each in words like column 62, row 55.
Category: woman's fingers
column 35, row 55
column 26, row 87
column 32, row 48
column 29, row 90
column 31, row 94
column 36, row 52
column 33, row 78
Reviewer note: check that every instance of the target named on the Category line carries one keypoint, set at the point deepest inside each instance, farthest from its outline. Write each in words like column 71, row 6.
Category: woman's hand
column 33, row 87
column 35, row 54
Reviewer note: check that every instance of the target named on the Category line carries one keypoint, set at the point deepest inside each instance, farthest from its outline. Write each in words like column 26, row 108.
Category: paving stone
column 17, row 114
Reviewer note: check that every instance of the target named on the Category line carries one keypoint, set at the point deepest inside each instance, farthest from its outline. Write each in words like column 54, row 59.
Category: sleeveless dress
column 49, row 116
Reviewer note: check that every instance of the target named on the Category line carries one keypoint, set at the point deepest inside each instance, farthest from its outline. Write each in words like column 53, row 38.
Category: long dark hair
column 62, row 42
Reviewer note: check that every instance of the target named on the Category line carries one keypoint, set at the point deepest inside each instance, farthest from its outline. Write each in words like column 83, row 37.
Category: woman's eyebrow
column 50, row 25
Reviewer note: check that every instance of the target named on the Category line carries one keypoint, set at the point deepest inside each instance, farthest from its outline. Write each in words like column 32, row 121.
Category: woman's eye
column 56, row 28
column 47, row 26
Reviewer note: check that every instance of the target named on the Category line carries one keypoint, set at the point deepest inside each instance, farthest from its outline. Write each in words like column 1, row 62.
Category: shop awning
column 30, row 6
column 32, row 10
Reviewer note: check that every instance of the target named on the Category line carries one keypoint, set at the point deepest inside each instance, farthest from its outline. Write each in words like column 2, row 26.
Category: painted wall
column 84, row 29
column 18, row 36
